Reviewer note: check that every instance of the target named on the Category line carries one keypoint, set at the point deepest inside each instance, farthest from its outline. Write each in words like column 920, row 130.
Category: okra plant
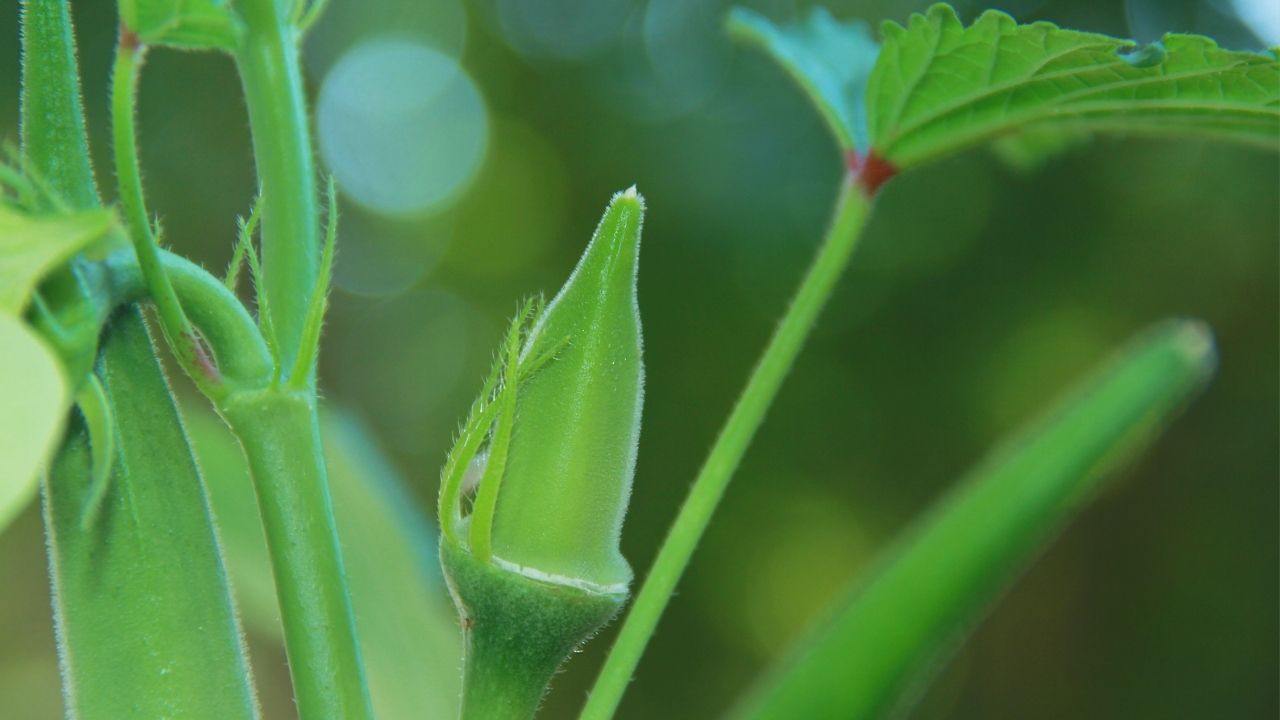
column 533, row 496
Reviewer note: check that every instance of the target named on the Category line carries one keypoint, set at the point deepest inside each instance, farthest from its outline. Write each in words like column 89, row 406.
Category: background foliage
column 978, row 293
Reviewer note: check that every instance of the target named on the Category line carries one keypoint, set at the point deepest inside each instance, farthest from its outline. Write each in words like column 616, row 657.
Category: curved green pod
column 146, row 626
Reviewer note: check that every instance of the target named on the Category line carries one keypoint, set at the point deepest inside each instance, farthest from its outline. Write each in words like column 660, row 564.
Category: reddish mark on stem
column 870, row 171
column 201, row 358
column 129, row 40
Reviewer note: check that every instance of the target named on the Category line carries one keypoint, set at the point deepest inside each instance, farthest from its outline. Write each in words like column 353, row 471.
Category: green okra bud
column 534, row 493
column 573, row 450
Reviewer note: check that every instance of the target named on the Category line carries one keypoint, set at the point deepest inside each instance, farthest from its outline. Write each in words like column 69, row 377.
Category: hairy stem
column 517, row 631
column 243, row 358
column 272, row 79
column 281, row 439
column 278, row 428
column 851, row 212
column 173, row 321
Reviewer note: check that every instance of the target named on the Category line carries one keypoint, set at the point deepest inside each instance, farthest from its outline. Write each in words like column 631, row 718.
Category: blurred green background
column 476, row 143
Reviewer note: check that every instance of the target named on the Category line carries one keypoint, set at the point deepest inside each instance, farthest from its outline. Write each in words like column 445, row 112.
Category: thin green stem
column 308, row 18
column 301, row 375
column 272, row 79
column 242, row 356
column 281, row 439
column 851, row 212
column 243, row 245
column 173, row 320
column 124, row 91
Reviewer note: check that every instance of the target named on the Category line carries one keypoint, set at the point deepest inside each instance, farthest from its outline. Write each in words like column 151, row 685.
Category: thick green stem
column 280, row 436
column 518, row 632
column 272, row 79
column 850, row 215
column 493, row 691
column 278, row 428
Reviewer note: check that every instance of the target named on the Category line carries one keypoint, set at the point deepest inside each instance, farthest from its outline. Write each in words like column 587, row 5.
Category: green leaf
column 33, row 246
column 936, row 583
column 188, row 24
column 940, row 86
column 144, row 617
column 406, row 624
column 830, row 60
column 35, row 398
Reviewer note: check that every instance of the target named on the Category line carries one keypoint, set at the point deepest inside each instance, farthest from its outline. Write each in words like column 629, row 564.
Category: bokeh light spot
column 439, row 24
column 565, row 29
column 383, row 258
column 1051, row 352
column 402, row 358
column 1262, row 17
column 526, row 181
column 687, row 56
column 401, row 126
column 795, row 552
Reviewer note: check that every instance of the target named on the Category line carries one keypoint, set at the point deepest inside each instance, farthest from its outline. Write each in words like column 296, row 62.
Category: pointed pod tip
column 624, row 214
column 630, row 195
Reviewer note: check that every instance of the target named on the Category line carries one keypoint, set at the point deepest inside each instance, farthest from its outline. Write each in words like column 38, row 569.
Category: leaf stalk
column 852, row 208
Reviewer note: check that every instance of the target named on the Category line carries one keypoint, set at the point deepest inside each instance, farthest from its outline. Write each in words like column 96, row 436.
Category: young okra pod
column 533, row 495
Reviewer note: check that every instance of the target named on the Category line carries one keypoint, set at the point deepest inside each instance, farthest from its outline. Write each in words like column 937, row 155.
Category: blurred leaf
column 940, row 87
column 1030, row 151
column 189, row 24
column 946, row 571
column 829, row 59
column 31, row 414
column 145, row 623
column 32, row 246
column 408, row 631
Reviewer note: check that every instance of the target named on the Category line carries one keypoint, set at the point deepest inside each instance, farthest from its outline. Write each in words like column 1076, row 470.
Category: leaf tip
column 741, row 21
column 939, row 15
column 1194, row 341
